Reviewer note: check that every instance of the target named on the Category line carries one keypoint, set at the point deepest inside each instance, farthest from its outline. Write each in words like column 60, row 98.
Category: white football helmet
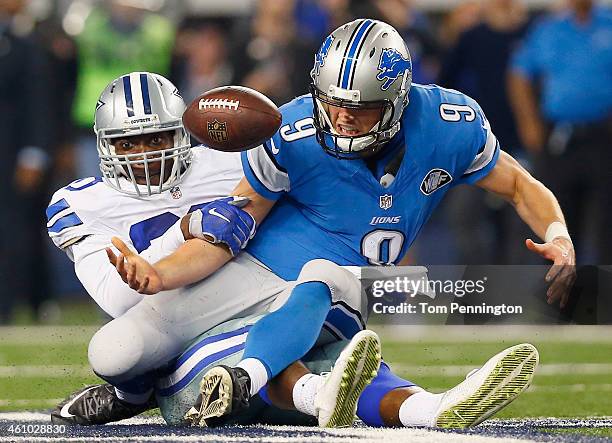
column 364, row 64
column 134, row 104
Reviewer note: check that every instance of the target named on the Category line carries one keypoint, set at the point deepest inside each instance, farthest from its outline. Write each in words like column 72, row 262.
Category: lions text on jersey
column 337, row 209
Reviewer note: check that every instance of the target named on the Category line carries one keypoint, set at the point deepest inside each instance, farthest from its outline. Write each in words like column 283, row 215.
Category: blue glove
column 222, row 221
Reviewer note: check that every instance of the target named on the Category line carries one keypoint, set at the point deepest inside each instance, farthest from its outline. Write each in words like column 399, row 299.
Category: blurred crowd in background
column 541, row 70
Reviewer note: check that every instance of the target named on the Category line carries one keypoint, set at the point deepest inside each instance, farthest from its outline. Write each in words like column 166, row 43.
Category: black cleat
column 224, row 392
column 96, row 405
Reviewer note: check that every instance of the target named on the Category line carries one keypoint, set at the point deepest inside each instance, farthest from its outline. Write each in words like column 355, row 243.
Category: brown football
column 232, row 118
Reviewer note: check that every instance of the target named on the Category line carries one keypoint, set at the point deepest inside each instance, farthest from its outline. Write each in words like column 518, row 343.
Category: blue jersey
column 337, row 209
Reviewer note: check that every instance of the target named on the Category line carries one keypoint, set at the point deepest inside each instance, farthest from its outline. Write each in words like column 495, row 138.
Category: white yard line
column 35, row 335
column 543, row 369
column 495, row 333
column 61, row 371
column 25, row 402
column 578, row 387
column 11, row 335
column 46, row 371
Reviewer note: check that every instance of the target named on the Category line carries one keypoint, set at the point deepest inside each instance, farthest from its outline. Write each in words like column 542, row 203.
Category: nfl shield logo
column 217, row 131
column 176, row 193
column 386, row 201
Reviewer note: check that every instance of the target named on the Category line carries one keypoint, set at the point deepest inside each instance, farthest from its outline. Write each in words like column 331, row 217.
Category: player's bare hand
column 562, row 273
column 134, row 270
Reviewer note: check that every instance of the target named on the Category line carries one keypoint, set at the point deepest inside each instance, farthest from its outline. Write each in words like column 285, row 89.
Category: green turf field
column 41, row 365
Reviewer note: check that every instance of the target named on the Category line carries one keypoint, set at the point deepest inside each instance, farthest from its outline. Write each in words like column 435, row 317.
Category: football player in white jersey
column 151, row 177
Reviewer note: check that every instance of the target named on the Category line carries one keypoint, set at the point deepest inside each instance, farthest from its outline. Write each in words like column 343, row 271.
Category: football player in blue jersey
column 390, row 151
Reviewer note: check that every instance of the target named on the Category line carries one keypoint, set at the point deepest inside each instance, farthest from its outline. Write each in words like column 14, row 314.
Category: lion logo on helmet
column 392, row 64
column 320, row 56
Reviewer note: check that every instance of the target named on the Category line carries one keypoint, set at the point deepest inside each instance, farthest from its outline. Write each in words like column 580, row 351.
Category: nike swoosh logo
column 214, row 212
column 275, row 150
column 64, row 412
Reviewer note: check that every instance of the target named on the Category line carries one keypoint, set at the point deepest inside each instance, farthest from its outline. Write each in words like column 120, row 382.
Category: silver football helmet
column 364, row 64
column 134, row 104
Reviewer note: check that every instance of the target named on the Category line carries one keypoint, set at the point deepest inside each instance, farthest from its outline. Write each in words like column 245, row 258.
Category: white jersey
column 84, row 216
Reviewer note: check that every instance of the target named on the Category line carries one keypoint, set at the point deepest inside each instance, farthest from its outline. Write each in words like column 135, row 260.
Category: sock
column 419, row 409
column 286, row 335
column 133, row 399
column 304, row 393
column 257, row 373
column 368, row 407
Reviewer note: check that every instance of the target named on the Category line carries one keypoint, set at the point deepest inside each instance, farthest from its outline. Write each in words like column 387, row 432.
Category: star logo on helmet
column 176, row 92
column 322, row 54
column 392, row 64
column 99, row 104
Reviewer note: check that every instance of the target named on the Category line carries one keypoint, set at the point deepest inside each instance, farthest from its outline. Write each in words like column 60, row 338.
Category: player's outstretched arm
column 186, row 265
column 538, row 207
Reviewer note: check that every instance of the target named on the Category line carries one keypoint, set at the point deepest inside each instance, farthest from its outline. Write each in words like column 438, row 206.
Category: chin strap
column 392, row 168
column 395, row 163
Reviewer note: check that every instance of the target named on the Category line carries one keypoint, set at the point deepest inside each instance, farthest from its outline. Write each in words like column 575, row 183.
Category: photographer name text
column 426, row 308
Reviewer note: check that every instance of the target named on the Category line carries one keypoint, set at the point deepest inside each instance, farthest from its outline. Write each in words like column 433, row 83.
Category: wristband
column 556, row 230
column 195, row 224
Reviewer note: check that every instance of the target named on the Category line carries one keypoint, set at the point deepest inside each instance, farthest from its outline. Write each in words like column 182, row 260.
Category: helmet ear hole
column 372, row 52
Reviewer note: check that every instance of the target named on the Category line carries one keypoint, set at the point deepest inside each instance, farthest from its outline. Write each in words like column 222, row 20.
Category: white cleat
column 488, row 389
column 358, row 363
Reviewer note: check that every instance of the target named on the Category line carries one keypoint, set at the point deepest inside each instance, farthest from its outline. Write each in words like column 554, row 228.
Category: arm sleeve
column 483, row 153
column 263, row 168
